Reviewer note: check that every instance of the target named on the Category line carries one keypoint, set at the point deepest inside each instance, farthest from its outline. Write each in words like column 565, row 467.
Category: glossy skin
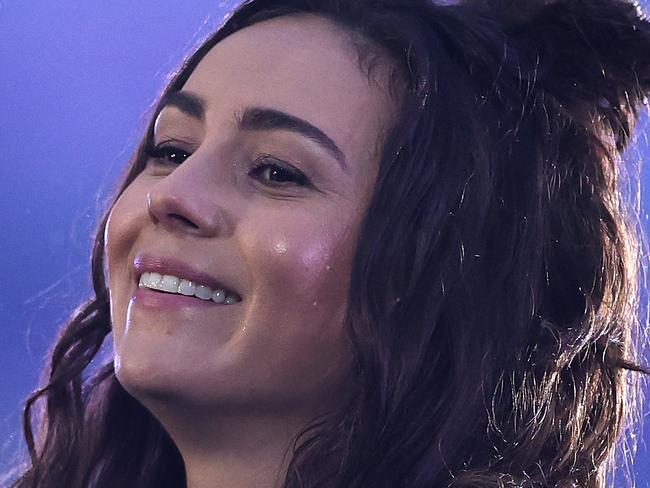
column 233, row 384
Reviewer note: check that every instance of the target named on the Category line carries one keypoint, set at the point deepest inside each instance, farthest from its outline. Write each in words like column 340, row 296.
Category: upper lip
column 144, row 263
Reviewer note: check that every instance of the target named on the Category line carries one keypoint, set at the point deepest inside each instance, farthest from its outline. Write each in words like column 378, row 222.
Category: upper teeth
column 174, row 284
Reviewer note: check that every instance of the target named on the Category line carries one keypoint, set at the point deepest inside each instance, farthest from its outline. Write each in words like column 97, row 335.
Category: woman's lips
column 172, row 266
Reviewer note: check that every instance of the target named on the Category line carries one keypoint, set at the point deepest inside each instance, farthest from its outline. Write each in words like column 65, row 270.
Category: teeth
column 174, row 284
column 218, row 296
column 154, row 279
column 186, row 288
column 169, row 284
column 203, row 292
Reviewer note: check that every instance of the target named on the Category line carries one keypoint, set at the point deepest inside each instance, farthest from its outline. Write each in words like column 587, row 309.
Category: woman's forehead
column 298, row 65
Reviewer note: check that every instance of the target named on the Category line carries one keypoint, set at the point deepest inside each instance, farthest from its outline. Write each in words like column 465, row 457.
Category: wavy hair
column 494, row 295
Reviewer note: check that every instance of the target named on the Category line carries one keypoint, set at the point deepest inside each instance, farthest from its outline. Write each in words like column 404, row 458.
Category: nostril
column 184, row 220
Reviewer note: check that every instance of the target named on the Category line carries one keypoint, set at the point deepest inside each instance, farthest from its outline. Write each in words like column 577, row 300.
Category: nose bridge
column 193, row 198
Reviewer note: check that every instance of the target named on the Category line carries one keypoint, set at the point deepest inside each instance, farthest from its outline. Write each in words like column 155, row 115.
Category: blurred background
column 76, row 82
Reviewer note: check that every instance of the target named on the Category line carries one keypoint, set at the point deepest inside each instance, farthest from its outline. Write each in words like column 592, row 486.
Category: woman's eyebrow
column 262, row 118
column 258, row 119
column 187, row 102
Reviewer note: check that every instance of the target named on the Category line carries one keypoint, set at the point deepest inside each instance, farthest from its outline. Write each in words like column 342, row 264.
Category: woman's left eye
column 278, row 174
column 167, row 153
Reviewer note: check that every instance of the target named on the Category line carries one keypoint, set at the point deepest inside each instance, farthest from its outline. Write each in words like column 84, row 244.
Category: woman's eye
column 167, row 153
column 267, row 169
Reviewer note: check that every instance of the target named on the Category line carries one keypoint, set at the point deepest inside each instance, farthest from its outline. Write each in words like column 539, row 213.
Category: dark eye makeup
column 166, row 153
column 280, row 173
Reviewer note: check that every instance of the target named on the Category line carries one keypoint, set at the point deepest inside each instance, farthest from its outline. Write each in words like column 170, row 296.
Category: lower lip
column 147, row 297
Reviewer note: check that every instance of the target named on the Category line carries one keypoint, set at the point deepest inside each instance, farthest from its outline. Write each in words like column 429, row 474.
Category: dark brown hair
column 496, row 281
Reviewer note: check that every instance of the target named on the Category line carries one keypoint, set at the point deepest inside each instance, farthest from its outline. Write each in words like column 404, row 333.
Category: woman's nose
column 181, row 203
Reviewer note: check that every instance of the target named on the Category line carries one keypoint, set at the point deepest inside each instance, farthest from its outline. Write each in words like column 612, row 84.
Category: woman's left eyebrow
column 258, row 119
column 262, row 118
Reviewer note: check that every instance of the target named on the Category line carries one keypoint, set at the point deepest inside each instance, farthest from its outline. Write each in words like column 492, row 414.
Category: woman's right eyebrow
column 187, row 102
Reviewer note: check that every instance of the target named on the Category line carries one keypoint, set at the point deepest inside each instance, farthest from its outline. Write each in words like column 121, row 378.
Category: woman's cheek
column 302, row 259
column 124, row 223
column 122, row 229
column 295, row 331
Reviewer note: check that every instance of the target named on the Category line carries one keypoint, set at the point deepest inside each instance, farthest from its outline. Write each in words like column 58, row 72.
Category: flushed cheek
column 300, row 274
column 294, row 325
column 301, row 261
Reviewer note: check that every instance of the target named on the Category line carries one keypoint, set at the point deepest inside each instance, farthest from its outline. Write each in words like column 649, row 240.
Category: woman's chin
column 145, row 380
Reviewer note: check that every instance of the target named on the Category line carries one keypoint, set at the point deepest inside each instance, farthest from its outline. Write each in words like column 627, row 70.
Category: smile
column 181, row 286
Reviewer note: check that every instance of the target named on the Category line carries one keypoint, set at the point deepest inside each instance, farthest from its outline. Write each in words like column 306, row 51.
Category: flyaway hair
column 494, row 298
column 585, row 52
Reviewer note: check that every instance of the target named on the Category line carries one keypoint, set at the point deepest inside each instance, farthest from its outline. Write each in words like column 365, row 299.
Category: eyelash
column 163, row 153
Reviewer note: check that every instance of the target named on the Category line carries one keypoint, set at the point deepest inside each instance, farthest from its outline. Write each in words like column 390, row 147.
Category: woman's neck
column 235, row 450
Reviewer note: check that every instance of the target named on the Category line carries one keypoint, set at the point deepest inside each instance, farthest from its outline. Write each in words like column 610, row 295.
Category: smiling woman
column 243, row 185
column 378, row 243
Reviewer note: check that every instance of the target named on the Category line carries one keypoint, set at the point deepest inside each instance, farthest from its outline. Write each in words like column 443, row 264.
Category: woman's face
column 284, row 246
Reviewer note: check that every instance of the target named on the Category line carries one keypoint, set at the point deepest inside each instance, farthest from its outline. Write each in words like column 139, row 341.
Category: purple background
column 76, row 80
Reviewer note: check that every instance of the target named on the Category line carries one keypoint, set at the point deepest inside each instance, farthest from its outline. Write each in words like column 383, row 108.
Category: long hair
column 495, row 286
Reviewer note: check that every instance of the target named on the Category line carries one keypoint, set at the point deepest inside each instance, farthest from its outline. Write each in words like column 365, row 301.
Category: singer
column 366, row 244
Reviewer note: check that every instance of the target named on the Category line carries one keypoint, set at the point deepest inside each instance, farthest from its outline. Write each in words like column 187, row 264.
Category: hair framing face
column 494, row 288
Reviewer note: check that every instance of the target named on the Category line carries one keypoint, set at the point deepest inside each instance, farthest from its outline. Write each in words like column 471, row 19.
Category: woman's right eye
column 166, row 154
